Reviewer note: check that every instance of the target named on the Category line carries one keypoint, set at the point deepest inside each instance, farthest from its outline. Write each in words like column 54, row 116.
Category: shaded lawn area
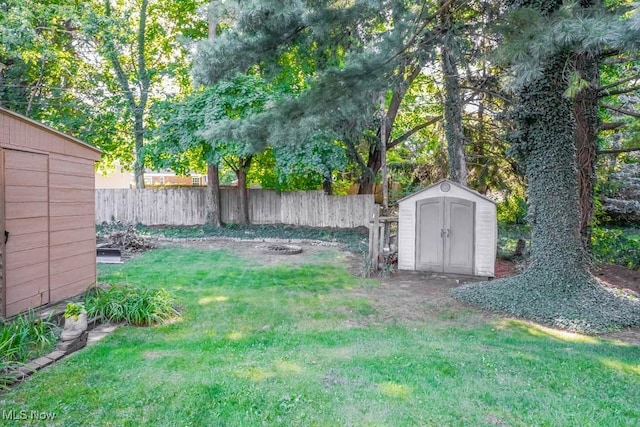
column 293, row 345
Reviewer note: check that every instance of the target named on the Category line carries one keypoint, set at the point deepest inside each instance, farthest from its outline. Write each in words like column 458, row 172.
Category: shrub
column 512, row 210
column 26, row 336
column 135, row 306
column 22, row 339
column 612, row 245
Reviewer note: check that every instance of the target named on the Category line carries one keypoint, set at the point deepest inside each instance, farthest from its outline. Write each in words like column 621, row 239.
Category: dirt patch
column 410, row 296
column 618, row 277
column 311, row 252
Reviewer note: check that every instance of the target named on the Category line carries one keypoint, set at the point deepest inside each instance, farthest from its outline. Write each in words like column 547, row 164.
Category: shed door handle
column 6, row 236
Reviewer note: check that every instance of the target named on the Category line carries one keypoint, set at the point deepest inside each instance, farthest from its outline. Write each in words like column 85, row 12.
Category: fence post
column 374, row 237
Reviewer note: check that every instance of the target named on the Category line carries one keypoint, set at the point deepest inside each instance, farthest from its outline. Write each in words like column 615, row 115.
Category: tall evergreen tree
column 557, row 287
column 357, row 51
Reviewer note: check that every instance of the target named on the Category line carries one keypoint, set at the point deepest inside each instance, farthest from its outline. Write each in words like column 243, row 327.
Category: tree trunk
column 138, row 168
column 557, row 287
column 213, row 176
column 374, row 161
column 367, row 180
column 327, row 185
column 213, row 196
column 243, row 193
column 452, row 102
column 137, row 108
column 585, row 111
column 550, row 167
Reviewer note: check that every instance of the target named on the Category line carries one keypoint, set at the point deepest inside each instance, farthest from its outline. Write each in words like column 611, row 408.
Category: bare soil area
column 408, row 296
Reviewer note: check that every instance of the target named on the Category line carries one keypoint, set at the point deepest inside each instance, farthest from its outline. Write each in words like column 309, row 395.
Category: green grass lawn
column 290, row 345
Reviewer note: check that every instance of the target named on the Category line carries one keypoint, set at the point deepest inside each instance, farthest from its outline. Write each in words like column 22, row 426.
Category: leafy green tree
column 351, row 55
column 190, row 134
column 140, row 59
column 42, row 74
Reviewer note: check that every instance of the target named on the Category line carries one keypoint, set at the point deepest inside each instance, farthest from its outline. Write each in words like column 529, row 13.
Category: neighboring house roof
column 452, row 183
column 49, row 129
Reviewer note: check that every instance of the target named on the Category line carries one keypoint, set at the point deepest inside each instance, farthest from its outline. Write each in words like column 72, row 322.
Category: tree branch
column 411, row 132
column 621, row 91
column 477, row 90
column 619, row 82
column 622, row 110
column 619, row 150
column 619, row 60
column 611, row 126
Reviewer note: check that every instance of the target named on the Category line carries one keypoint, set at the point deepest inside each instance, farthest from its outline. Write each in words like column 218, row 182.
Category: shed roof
column 46, row 128
column 452, row 183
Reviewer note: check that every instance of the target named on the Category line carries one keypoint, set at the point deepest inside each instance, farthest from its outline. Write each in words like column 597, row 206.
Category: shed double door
column 445, row 235
column 25, row 227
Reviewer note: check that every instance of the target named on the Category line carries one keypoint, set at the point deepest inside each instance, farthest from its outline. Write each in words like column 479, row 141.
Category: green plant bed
column 132, row 305
column 21, row 339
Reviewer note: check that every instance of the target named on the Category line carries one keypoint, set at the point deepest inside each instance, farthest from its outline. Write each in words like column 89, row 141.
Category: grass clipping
column 579, row 304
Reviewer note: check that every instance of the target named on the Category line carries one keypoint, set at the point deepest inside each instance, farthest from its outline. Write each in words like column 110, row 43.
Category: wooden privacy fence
column 186, row 206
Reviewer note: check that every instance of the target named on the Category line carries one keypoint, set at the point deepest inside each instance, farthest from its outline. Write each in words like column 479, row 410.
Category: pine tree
column 557, row 287
column 350, row 54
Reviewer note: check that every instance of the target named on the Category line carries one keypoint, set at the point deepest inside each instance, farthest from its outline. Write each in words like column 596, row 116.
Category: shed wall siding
column 26, row 212
column 71, row 225
column 407, row 236
column 21, row 133
column 485, row 239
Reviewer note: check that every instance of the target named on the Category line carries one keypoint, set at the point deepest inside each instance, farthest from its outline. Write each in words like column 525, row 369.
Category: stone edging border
column 63, row 349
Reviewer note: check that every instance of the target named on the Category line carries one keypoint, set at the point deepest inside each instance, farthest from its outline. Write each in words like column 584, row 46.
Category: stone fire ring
column 280, row 249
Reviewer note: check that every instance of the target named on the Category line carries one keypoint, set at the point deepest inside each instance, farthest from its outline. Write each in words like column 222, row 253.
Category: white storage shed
column 447, row 228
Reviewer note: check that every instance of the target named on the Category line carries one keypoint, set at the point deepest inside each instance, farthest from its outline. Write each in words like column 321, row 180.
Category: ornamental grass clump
column 26, row 337
column 22, row 339
column 135, row 306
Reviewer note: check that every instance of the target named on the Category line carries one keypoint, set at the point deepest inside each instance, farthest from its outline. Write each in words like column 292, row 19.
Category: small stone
column 56, row 355
column 41, row 362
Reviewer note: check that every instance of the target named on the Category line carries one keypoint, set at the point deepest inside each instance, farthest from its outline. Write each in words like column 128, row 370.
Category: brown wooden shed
column 47, row 199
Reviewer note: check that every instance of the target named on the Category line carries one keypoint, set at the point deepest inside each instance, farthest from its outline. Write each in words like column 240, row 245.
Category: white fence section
column 186, row 206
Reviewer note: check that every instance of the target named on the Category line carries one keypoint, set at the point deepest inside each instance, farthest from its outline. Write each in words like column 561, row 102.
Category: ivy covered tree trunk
column 557, row 287
column 545, row 146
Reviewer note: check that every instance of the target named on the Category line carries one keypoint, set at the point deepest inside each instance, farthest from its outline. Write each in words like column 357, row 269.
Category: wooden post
column 387, row 234
column 374, row 237
column 380, row 258
column 383, row 156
